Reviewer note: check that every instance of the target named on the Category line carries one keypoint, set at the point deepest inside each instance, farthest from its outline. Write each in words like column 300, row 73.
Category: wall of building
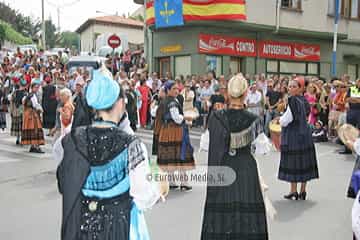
column 313, row 17
column 88, row 35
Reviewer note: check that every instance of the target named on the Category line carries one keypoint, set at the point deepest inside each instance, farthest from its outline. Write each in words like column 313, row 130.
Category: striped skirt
column 32, row 132
column 16, row 125
column 172, row 154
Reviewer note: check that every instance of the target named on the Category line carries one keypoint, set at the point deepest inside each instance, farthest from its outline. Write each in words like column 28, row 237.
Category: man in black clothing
column 272, row 100
column 83, row 114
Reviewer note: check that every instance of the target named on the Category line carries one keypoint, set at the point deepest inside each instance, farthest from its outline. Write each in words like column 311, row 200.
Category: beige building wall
column 88, row 36
column 313, row 17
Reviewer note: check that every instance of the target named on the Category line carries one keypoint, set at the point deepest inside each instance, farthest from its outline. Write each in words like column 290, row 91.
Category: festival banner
column 168, row 13
column 203, row 10
column 224, row 45
column 290, row 51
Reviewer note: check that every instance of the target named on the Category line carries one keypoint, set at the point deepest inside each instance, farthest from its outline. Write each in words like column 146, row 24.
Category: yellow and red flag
column 205, row 10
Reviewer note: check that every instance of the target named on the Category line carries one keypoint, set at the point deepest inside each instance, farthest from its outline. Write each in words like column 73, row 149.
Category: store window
column 182, row 65
column 291, row 4
column 313, row 68
column 352, row 71
column 292, row 67
column 288, row 68
column 214, row 63
column 235, row 65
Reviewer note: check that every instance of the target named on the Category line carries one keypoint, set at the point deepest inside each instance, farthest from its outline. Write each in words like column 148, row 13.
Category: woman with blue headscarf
column 175, row 152
column 103, row 172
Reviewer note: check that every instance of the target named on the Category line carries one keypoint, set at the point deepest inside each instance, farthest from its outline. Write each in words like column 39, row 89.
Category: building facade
column 93, row 27
column 280, row 37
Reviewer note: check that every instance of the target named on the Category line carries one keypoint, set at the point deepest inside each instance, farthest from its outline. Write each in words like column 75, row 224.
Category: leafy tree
column 69, row 40
column 50, row 33
column 2, row 35
column 138, row 18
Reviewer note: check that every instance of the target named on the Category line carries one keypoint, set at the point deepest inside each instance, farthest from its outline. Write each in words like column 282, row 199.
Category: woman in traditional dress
column 66, row 111
column 103, row 172
column 236, row 211
column 17, row 110
column 145, row 96
column 3, row 108
column 157, row 123
column 175, row 152
column 189, row 110
column 298, row 162
column 32, row 132
column 49, row 104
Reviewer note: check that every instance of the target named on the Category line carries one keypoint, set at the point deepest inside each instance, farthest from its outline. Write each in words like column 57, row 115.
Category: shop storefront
column 198, row 49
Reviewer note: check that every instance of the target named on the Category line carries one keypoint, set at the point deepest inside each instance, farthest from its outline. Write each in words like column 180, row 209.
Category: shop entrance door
column 164, row 64
column 235, row 65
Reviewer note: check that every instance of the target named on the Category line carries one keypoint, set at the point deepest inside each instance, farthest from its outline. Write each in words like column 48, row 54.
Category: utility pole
column 58, row 15
column 336, row 26
column 43, row 24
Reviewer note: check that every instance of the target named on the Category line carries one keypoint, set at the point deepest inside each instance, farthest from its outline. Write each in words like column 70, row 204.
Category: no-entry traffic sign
column 114, row 41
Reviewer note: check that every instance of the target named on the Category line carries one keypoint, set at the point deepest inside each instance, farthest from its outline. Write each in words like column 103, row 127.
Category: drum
column 275, row 134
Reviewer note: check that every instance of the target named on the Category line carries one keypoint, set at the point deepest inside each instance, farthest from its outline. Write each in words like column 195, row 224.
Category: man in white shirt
column 152, row 79
column 253, row 101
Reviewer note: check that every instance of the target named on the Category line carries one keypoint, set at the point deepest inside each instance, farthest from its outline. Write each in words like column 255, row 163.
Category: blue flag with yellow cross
column 168, row 13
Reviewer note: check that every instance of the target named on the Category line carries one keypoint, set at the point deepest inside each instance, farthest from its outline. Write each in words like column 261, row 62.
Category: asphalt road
column 30, row 204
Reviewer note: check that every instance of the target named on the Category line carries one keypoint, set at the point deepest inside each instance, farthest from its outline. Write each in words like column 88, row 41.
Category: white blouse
column 357, row 146
column 286, row 118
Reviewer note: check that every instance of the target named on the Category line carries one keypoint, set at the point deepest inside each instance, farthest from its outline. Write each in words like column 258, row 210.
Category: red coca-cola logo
column 217, row 43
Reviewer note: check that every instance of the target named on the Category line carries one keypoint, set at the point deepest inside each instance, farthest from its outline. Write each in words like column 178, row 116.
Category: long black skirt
column 109, row 219
column 236, row 212
column 2, row 120
column 298, row 161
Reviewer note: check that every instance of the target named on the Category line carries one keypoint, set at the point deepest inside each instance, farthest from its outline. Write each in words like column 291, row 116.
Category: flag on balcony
column 204, row 10
column 168, row 13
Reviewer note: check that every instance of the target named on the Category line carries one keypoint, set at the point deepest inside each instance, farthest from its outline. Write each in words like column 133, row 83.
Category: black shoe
column 186, row 188
column 302, row 196
column 292, row 196
column 345, row 152
column 17, row 142
column 32, row 150
column 174, row 187
column 38, row 150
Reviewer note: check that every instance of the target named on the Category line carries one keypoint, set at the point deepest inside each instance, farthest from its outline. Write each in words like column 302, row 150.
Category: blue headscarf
column 102, row 91
column 35, row 81
column 168, row 85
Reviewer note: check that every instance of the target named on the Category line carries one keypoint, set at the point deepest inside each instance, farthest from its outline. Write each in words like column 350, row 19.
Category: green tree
column 138, row 18
column 69, row 40
column 50, row 33
column 2, row 35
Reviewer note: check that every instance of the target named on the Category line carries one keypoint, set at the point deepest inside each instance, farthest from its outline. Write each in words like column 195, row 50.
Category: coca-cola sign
column 291, row 51
column 234, row 46
column 215, row 44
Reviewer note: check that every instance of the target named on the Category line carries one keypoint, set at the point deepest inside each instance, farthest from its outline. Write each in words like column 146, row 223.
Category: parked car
column 89, row 63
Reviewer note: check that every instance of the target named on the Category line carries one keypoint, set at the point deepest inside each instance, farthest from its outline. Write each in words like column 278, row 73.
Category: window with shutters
column 291, row 4
column 348, row 8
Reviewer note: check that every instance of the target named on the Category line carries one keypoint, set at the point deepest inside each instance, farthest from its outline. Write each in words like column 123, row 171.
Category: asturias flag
column 168, row 13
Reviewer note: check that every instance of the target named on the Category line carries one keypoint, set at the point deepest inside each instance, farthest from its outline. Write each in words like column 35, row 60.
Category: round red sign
column 114, row 41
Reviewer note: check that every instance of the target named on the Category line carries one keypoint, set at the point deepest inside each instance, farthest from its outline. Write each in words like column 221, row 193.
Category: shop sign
column 215, row 44
column 290, row 51
column 171, row 48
